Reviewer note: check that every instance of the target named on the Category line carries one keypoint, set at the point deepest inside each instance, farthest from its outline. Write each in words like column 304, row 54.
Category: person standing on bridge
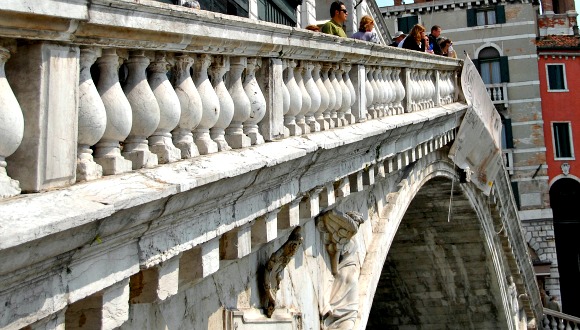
column 553, row 304
column 338, row 14
column 365, row 30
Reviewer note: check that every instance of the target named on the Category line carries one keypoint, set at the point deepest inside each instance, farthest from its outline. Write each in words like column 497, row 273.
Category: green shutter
column 509, row 136
column 476, row 63
column 504, row 68
column 500, row 14
column 471, row 17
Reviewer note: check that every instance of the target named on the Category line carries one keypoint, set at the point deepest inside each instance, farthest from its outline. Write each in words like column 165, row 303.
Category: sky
column 383, row 3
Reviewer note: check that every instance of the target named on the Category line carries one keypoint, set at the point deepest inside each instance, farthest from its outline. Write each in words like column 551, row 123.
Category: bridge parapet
column 178, row 192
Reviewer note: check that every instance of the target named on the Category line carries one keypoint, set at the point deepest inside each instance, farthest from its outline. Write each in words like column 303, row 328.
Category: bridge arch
column 425, row 271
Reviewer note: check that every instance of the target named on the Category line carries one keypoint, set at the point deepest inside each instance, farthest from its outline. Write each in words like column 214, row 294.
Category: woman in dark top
column 414, row 40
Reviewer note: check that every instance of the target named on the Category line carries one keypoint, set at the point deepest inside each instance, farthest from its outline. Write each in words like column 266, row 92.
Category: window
column 486, row 16
column 556, row 77
column 406, row 23
column 493, row 68
column 562, row 137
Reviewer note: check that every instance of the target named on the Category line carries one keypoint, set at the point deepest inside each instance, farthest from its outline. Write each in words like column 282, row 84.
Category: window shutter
column 471, row 17
column 504, row 68
column 476, row 63
column 509, row 136
column 500, row 14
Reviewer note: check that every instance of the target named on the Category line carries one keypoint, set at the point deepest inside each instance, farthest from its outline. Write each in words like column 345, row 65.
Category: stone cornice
column 153, row 25
column 444, row 5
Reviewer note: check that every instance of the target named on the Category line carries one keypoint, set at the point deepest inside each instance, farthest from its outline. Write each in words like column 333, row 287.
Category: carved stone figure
column 339, row 229
column 276, row 265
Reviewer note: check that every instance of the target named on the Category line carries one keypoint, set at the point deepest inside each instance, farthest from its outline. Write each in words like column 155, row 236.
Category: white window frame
column 563, row 74
column 572, row 157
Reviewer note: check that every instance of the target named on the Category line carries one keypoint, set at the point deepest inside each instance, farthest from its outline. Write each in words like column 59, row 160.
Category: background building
column 559, row 70
column 500, row 39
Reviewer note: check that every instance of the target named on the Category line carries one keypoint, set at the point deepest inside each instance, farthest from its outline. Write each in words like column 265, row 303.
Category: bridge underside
column 438, row 273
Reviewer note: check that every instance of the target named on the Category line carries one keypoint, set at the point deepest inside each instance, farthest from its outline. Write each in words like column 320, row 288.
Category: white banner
column 477, row 147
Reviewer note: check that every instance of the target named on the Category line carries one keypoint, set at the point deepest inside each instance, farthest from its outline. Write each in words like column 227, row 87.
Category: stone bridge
column 324, row 199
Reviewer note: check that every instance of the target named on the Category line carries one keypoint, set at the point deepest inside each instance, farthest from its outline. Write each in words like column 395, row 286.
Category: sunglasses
column 344, row 11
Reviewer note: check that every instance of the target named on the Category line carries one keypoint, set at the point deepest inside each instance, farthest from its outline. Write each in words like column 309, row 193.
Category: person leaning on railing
column 416, row 39
column 365, row 30
column 338, row 14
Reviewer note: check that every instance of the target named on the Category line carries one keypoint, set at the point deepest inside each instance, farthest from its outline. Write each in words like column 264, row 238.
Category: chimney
column 547, row 6
column 398, row 2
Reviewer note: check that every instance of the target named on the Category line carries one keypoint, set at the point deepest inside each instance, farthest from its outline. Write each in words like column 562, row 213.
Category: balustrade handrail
column 143, row 24
column 561, row 315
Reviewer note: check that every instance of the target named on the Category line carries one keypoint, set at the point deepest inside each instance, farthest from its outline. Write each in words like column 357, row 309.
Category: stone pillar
column 160, row 142
column 277, row 100
column 370, row 95
column 92, row 118
column 191, row 107
column 333, row 76
column 118, row 113
column 11, row 128
column 307, row 13
column 145, row 110
column 44, row 78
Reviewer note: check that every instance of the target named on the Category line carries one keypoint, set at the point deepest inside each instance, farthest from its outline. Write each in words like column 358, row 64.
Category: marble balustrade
column 151, row 104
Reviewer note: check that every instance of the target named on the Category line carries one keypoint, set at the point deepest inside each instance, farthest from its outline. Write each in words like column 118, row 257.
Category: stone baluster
column 315, row 98
column 416, row 89
column 420, row 90
column 324, row 97
column 338, row 94
column 391, row 89
column 295, row 101
column 235, row 132
column 160, row 142
column 348, row 114
column 191, row 107
column 345, row 97
column 380, row 104
column 331, row 94
column 370, row 95
column 306, row 100
column 118, row 114
column 285, row 97
column 400, row 91
column 220, row 66
column 428, row 91
column 145, row 109
column 425, row 90
column 451, row 86
column 11, row 128
column 92, row 119
column 257, row 101
column 432, row 96
column 376, row 93
column 210, row 107
column 442, row 87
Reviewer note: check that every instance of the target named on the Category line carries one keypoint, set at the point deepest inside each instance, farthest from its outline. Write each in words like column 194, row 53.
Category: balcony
column 498, row 93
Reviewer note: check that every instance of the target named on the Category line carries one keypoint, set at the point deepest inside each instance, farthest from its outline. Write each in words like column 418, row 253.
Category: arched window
column 492, row 67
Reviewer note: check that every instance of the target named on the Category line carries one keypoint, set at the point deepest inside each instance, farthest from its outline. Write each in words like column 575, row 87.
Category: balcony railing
column 97, row 101
column 498, row 93
column 554, row 320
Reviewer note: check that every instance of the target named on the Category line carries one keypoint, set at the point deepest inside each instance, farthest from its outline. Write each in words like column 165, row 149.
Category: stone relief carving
column 565, row 168
column 341, row 244
column 275, row 267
